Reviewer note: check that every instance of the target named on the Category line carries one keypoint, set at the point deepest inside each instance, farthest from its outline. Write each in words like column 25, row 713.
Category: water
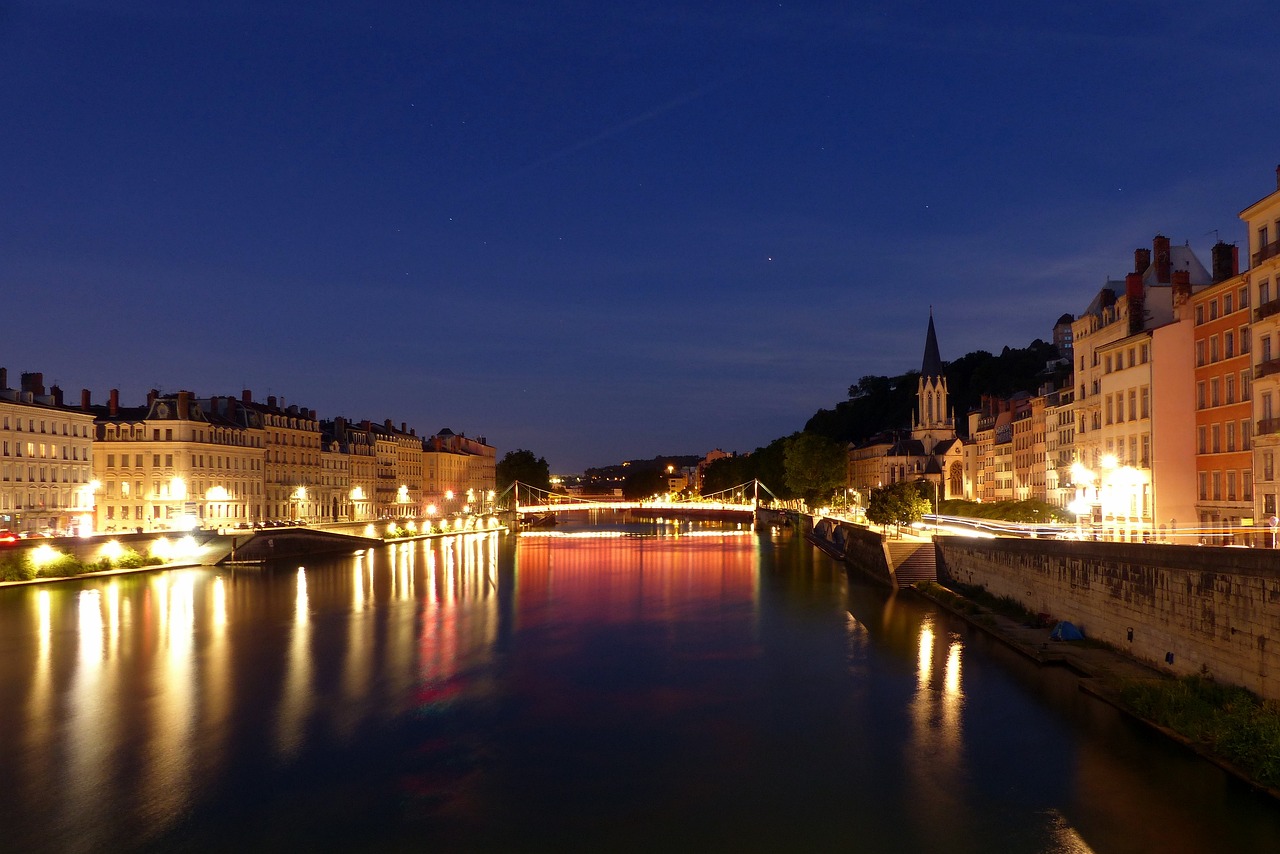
column 677, row 688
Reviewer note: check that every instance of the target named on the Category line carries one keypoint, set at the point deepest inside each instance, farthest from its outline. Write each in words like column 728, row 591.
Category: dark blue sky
column 594, row 231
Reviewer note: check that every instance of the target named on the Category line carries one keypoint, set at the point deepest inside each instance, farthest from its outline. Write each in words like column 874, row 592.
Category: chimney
column 403, row 427
column 152, row 395
column 1162, row 260
column 85, row 399
column 184, row 404
column 1141, row 260
column 388, row 424
column 33, row 382
column 113, row 403
column 271, row 401
column 246, row 396
column 1133, row 293
column 366, row 425
column 1278, row 177
column 1181, row 287
column 1226, row 261
column 4, row 378
column 56, row 391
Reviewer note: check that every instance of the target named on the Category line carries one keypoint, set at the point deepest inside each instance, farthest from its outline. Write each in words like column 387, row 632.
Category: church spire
column 932, row 366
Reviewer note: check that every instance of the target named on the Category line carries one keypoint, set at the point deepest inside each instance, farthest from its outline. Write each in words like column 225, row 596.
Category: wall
column 862, row 548
column 1185, row 609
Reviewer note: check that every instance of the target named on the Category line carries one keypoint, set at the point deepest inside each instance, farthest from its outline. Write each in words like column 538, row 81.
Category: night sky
column 595, row 231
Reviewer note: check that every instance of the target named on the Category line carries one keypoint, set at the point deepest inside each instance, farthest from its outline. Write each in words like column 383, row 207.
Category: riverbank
column 226, row 549
column 1105, row 673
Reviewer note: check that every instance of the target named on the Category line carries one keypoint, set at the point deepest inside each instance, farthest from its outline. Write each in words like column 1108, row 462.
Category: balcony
column 1266, row 309
column 1271, row 250
column 1271, row 366
column 1268, row 426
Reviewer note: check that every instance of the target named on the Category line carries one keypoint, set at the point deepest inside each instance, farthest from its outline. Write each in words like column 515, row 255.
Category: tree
column 523, row 466
column 897, row 504
column 644, row 483
column 815, row 466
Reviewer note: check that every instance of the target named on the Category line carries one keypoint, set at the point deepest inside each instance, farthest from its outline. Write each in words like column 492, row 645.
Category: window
column 1263, row 237
column 1199, row 354
column 1107, row 368
column 1244, row 297
column 1144, row 353
column 1244, row 385
column 1217, row 486
column 1246, row 484
column 1228, row 345
column 1213, row 309
column 1246, row 435
column 1213, row 348
column 1110, row 409
column 1216, row 433
column 1231, row 436
column 1244, row 339
column 1120, row 407
column 1264, row 293
column 1226, row 304
column 1201, row 447
column 1214, row 400
column 1231, row 389
column 1199, row 315
column 1133, row 405
column 1146, row 450
column 1132, row 360
column 1204, row 486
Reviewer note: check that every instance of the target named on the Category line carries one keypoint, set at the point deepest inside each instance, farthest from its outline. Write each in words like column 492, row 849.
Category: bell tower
column 933, row 421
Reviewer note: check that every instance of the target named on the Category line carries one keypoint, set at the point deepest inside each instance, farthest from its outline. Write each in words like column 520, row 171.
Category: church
column 930, row 452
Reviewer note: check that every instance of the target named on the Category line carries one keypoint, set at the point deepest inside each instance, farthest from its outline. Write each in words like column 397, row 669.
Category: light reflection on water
column 734, row 692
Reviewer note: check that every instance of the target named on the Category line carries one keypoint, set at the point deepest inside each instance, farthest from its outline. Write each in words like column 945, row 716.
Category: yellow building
column 293, row 468
column 1262, row 219
column 46, row 468
column 172, row 464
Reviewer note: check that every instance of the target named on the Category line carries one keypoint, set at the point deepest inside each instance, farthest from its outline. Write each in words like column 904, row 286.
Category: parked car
column 8, row 538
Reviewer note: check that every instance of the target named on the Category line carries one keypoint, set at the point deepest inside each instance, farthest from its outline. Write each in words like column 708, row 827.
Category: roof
column 932, row 365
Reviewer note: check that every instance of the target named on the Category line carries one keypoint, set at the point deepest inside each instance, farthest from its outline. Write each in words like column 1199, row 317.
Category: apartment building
column 1262, row 222
column 173, row 464
column 1224, row 406
column 46, row 465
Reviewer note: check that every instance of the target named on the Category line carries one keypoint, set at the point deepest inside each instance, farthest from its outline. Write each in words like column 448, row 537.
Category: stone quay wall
column 1185, row 609
column 855, row 545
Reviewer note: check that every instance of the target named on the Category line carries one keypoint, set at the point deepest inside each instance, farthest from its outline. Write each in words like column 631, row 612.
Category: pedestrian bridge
column 745, row 498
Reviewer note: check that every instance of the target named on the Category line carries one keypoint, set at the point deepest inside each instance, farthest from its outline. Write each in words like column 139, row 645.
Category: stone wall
column 857, row 546
column 1185, row 609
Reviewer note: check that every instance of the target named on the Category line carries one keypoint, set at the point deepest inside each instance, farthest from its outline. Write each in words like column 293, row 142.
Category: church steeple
column 932, row 366
column 933, row 422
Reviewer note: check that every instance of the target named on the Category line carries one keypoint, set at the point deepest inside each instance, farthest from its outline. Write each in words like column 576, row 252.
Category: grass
column 1225, row 720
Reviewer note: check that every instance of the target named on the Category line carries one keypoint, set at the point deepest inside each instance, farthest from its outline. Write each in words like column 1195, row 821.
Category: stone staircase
column 912, row 562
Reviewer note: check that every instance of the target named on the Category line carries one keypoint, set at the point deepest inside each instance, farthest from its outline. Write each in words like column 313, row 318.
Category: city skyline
column 596, row 234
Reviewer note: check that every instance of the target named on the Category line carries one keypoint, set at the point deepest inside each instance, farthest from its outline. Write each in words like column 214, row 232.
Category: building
column 459, row 472
column 932, row 452
column 46, row 459
column 1262, row 221
column 1224, row 405
column 175, row 463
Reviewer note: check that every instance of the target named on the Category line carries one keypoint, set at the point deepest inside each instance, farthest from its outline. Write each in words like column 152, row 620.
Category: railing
column 1271, row 250
column 1270, row 366
column 1267, row 426
column 1267, row 308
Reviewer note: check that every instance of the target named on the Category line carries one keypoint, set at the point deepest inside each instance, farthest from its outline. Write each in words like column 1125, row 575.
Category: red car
column 8, row 538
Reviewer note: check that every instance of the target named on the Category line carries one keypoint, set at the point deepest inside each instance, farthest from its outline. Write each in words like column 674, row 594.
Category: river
column 634, row 686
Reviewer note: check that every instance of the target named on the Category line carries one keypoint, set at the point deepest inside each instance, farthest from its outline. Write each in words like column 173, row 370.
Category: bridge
column 522, row 499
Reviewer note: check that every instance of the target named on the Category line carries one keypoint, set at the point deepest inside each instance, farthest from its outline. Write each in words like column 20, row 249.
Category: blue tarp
column 1066, row 631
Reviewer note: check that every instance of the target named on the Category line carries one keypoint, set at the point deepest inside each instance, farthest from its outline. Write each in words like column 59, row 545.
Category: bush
column 1226, row 720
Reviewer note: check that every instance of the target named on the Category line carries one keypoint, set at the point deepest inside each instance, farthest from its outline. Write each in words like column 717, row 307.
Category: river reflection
column 650, row 686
